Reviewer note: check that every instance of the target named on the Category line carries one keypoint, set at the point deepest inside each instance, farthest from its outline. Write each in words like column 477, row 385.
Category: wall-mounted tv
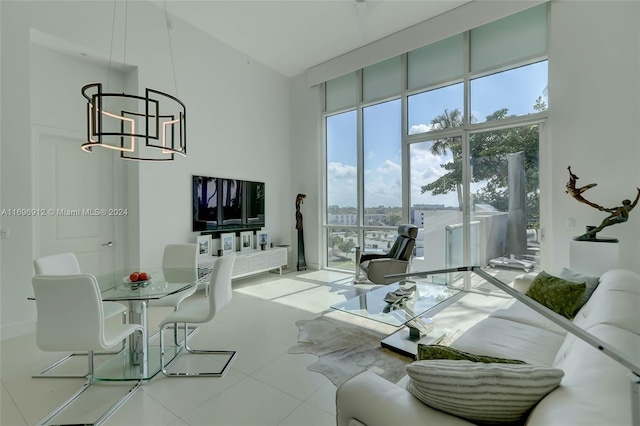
column 224, row 204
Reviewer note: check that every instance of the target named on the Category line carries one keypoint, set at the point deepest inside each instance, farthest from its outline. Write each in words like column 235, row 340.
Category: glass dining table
column 117, row 287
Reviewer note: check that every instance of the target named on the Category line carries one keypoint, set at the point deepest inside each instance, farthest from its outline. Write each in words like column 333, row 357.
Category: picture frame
column 228, row 243
column 262, row 239
column 246, row 241
column 204, row 245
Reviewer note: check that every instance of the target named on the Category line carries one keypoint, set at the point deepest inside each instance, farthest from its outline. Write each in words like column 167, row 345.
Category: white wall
column 238, row 127
column 306, row 129
column 594, row 116
column 594, row 120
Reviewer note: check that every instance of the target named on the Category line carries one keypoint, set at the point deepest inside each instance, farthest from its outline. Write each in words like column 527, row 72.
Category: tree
column 447, row 120
column 394, row 219
column 335, row 240
column 488, row 152
column 346, row 246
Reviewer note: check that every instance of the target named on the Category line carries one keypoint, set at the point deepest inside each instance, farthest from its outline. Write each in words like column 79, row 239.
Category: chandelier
column 143, row 128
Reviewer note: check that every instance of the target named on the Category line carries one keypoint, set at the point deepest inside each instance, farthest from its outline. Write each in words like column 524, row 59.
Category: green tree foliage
column 346, row 246
column 394, row 218
column 335, row 240
column 489, row 152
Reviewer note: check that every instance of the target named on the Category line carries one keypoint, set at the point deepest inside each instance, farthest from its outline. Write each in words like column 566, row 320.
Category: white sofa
column 595, row 389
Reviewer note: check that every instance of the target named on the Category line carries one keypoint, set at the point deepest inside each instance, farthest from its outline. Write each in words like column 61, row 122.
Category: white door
column 74, row 189
column 75, row 193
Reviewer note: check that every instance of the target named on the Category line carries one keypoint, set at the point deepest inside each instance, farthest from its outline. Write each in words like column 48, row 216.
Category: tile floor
column 264, row 386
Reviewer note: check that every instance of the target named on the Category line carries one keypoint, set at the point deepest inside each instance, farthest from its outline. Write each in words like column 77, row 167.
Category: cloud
column 389, row 167
column 383, row 185
column 383, row 189
column 420, row 128
column 339, row 171
column 426, row 168
column 341, row 184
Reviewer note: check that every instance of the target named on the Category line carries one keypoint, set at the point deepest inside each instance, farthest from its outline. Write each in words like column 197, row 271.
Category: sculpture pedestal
column 593, row 257
column 302, row 263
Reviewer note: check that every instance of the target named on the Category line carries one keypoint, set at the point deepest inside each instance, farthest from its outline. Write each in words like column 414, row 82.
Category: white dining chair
column 202, row 311
column 71, row 318
column 67, row 264
column 182, row 256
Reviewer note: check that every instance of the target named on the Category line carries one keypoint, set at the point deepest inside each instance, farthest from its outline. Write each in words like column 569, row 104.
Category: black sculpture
column 302, row 264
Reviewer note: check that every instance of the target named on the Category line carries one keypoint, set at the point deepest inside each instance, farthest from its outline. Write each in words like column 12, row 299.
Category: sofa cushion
column 576, row 277
column 595, row 389
column 427, row 352
column 517, row 311
column 561, row 296
column 614, row 302
column 508, row 339
column 373, row 400
column 483, row 393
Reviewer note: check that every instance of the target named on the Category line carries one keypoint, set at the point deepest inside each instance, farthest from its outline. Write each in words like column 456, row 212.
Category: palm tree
column 446, row 120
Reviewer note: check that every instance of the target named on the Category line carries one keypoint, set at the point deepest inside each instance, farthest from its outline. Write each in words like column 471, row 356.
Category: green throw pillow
column 426, row 352
column 561, row 296
column 575, row 277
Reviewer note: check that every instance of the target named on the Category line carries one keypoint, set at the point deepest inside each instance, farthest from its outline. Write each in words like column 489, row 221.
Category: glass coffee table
column 410, row 313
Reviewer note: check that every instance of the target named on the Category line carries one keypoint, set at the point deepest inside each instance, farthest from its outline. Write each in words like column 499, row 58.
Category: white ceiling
column 291, row 36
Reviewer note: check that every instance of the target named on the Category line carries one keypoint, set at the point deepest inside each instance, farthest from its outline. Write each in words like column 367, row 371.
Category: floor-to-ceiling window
column 445, row 137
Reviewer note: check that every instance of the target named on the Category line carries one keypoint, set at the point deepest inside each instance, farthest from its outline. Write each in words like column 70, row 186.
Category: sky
column 515, row 89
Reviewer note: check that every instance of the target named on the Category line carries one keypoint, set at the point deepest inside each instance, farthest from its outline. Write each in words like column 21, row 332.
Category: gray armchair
column 396, row 261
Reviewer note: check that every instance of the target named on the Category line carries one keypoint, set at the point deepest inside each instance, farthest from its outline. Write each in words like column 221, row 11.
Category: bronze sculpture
column 299, row 200
column 618, row 214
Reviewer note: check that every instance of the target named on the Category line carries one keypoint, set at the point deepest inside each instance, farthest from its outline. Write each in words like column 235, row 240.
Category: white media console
column 252, row 262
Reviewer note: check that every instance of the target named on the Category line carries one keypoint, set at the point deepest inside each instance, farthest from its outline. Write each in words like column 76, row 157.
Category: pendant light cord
column 173, row 65
column 126, row 19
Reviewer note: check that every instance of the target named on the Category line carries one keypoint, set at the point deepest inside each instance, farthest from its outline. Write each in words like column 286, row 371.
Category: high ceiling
column 291, row 36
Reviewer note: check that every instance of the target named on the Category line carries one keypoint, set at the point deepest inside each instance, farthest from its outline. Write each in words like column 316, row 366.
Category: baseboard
column 15, row 330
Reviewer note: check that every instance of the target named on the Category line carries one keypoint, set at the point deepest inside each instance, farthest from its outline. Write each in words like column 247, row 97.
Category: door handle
column 109, row 244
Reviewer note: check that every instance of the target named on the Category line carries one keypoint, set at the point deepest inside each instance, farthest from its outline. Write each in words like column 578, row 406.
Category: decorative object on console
column 617, row 215
column 143, row 128
column 228, row 243
column 204, row 245
column 302, row 263
column 491, row 393
column 561, row 296
column 246, row 241
column 262, row 239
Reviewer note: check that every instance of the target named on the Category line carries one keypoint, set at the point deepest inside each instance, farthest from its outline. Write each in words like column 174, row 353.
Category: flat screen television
column 254, row 203
column 231, row 204
column 227, row 204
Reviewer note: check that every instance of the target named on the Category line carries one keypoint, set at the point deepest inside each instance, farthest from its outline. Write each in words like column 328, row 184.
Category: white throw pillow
column 481, row 393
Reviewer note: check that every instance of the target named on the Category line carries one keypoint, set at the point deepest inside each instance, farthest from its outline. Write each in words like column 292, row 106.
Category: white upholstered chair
column 183, row 256
column 202, row 311
column 71, row 318
column 67, row 264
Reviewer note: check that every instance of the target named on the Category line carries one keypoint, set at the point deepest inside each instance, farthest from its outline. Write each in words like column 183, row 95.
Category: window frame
column 463, row 131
